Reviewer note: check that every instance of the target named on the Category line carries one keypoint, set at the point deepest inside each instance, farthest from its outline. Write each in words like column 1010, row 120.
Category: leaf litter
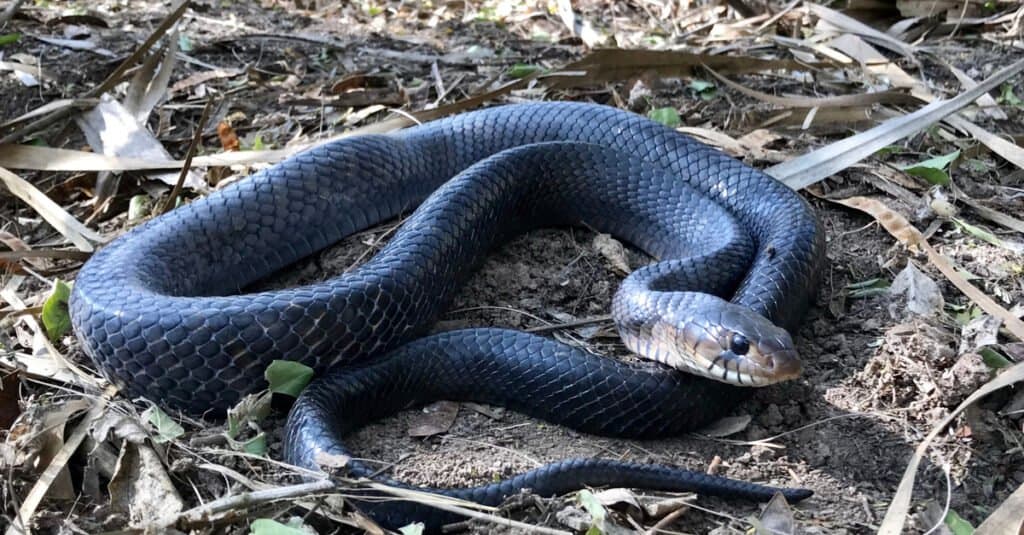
column 279, row 93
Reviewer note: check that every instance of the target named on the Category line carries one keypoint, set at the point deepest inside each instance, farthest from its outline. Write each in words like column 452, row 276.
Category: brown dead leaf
column 141, row 487
column 612, row 64
column 839, row 101
column 228, row 139
column 434, row 419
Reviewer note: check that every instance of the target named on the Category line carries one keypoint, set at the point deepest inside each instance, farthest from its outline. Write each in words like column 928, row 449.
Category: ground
column 876, row 379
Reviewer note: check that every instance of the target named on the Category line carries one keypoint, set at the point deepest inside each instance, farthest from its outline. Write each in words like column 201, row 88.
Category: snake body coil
column 159, row 309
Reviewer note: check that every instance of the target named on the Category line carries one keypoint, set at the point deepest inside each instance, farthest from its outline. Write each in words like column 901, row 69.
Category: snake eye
column 739, row 344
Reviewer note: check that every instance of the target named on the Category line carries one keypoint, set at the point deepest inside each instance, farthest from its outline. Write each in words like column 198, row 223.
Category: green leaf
column 256, row 445
column 885, row 152
column 166, row 428
column 933, row 170
column 868, row 288
column 266, row 526
column 993, row 359
column 184, row 43
column 257, row 142
column 252, row 408
column 666, row 116
column 1007, row 96
column 138, row 207
column 594, row 509
column 9, row 38
column 522, row 70
column 705, row 89
column 56, row 319
column 288, row 377
column 416, row 528
column 982, row 234
column 957, row 524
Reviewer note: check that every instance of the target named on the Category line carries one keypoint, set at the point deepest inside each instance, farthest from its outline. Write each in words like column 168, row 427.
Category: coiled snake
column 160, row 310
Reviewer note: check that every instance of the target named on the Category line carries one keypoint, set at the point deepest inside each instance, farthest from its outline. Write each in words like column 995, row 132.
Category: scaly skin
column 159, row 312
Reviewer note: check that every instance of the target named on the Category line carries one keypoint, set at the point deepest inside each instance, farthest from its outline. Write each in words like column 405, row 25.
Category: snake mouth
column 765, row 367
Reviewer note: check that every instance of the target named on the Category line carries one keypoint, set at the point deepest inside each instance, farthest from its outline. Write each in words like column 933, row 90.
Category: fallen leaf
column 228, row 139
column 620, row 499
column 331, row 460
column 933, row 169
column 981, row 331
column 434, row 419
column 141, row 487
column 288, row 377
column 166, row 428
column 777, row 518
column 613, row 251
column 923, row 296
column 723, row 427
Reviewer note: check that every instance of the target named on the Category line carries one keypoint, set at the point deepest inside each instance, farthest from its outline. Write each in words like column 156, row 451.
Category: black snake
column 162, row 313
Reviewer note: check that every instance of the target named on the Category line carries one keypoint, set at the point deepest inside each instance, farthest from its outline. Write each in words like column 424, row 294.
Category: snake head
column 725, row 342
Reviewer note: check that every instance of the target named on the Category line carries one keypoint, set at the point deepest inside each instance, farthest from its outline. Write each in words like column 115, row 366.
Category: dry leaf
column 141, row 487
column 63, row 222
column 228, row 139
column 777, row 518
column 434, row 419
column 910, row 237
column 613, row 251
column 730, row 425
column 923, row 296
column 899, row 508
column 979, row 332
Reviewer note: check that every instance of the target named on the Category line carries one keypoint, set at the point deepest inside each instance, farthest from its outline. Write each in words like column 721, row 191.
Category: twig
column 569, row 324
column 245, row 500
column 196, row 138
column 51, row 118
column 12, row 8
column 130, row 62
column 62, row 254
column 667, row 519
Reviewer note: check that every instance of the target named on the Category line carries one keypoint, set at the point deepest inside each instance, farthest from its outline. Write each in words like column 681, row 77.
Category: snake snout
column 733, row 344
column 775, row 360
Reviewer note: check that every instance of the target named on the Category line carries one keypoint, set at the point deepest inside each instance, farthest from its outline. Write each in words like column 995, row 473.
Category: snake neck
column 653, row 300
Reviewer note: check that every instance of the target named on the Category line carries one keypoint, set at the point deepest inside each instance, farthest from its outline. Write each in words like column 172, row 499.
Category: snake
column 165, row 311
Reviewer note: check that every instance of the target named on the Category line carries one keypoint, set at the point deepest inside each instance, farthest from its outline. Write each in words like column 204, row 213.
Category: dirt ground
column 876, row 379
